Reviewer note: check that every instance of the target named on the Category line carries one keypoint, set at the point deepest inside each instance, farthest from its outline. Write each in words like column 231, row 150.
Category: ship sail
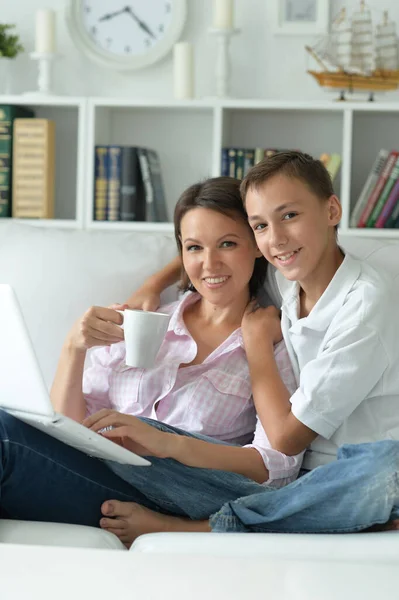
column 341, row 41
column 362, row 43
column 386, row 45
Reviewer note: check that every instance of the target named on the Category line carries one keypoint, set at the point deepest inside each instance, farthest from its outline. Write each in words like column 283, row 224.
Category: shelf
column 131, row 226
column 371, row 232
column 43, row 100
column 189, row 135
column 51, row 223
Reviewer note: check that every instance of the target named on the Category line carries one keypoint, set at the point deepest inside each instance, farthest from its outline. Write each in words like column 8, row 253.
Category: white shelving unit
column 189, row 136
column 69, row 114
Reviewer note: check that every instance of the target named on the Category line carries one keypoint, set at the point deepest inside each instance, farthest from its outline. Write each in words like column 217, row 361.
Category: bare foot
column 128, row 520
column 390, row 526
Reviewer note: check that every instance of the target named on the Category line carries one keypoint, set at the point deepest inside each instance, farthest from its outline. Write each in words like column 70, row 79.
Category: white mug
column 144, row 332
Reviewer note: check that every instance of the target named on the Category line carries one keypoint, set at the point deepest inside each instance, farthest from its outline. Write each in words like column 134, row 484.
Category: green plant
column 9, row 44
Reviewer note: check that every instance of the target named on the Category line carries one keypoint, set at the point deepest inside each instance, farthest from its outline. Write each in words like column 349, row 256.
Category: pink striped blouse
column 212, row 398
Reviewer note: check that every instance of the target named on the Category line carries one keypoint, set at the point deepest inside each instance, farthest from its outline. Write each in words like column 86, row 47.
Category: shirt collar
column 177, row 325
column 331, row 300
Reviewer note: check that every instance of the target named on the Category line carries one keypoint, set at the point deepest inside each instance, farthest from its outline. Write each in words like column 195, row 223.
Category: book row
column 128, row 185
column 236, row 162
column 378, row 203
column 26, row 164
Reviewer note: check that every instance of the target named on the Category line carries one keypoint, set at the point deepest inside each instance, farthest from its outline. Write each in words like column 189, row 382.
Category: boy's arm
column 331, row 387
column 147, row 297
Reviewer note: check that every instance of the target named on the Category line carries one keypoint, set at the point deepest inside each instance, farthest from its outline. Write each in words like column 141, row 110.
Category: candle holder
column 223, row 63
column 44, row 80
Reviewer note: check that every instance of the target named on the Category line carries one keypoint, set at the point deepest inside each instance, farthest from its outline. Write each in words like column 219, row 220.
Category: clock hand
column 140, row 23
column 112, row 15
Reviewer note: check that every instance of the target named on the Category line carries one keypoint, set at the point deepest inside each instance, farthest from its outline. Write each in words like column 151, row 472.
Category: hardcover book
column 101, row 171
column 379, row 209
column 8, row 113
column 379, row 186
column 369, row 185
column 153, row 185
column 33, row 171
column 132, row 195
column 114, row 183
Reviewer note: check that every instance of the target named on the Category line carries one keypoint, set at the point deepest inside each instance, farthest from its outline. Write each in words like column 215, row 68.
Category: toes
column 113, row 524
column 115, row 508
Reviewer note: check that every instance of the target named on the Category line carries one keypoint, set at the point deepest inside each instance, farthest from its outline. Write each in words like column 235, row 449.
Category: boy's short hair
column 293, row 164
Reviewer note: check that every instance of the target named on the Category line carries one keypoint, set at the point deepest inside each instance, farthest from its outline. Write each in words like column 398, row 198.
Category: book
column 382, row 201
column 258, row 155
column 375, row 194
column 232, row 162
column 388, row 214
column 151, row 174
column 114, row 183
column 369, row 185
column 239, row 170
column 379, row 186
column 249, row 160
column 392, row 220
column 132, row 195
column 324, row 158
column 33, row 171
column 100, row 183
column 333, row 165
column 8, row 113
column 224, row 167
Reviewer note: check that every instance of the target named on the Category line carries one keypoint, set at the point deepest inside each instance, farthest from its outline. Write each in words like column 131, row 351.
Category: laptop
column 23, row 392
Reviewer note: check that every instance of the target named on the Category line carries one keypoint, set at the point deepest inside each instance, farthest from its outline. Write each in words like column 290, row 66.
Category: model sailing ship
column 355, row 56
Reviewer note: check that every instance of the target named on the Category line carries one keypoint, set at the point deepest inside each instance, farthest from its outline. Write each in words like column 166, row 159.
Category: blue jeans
column 358, row 490
column 42, row 479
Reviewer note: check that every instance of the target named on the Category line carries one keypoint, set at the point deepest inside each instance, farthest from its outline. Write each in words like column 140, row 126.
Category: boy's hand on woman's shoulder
column 261, row 325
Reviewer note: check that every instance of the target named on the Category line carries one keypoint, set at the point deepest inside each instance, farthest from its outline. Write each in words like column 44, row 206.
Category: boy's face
column 294, row 229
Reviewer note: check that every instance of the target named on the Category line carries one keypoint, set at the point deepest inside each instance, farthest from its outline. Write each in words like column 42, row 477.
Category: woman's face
column 219, row 254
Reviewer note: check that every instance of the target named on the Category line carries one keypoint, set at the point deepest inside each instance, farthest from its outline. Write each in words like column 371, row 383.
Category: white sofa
column 57, row 274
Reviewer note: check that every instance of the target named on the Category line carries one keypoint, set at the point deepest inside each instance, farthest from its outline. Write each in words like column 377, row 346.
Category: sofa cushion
column 59, row 273
column 381, row 254
column 57, row 534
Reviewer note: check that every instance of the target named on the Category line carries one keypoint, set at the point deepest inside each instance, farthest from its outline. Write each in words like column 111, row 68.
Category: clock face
column 126, row 29
column 125, row 34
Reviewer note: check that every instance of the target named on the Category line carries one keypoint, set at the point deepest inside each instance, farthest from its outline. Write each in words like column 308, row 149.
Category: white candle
column 45, row 31
column 223, row 14
column 183, row 71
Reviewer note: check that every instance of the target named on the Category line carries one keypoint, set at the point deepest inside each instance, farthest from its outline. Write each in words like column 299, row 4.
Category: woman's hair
column 221, row 194
column 293, row 164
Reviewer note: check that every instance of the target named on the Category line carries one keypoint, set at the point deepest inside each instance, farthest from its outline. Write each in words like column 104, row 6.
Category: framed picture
column 300, row 17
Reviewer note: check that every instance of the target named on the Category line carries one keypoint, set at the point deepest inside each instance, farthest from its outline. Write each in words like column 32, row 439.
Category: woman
column 200, row 383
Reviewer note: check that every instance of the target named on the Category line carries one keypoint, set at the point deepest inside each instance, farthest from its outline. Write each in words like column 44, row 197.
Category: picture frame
column 300, row 17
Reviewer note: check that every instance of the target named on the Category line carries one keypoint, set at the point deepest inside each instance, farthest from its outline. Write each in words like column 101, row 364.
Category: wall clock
column 125, row 35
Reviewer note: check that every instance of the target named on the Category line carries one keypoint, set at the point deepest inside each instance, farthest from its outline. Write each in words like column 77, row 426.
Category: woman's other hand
column 145, row 298
column 261, row 325
column 131, row 433
column 99, row 326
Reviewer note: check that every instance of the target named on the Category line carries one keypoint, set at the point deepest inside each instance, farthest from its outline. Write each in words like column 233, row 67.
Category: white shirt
column 345, row 355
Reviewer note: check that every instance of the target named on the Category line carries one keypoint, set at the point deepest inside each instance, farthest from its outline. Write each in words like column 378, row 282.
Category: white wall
column 265, row 65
